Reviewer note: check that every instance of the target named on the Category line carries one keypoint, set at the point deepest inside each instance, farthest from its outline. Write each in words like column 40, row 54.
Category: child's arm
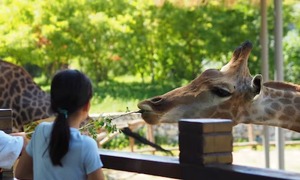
column 96, row 175
column 24, row 169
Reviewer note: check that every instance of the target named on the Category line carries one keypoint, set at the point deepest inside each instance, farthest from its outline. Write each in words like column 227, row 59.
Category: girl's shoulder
column 89, row 141
column 44, row 128
column 43, row 125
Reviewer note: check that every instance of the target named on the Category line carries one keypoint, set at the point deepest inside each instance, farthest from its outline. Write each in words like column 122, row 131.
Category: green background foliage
column 160, row 46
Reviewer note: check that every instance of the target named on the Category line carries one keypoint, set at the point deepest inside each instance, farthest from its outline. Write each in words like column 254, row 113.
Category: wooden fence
column 205, row 153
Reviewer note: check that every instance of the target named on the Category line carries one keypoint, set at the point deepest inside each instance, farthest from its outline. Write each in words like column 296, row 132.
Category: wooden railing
column 205, row 153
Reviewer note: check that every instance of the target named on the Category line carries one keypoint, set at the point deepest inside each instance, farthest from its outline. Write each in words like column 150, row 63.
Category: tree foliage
column 117, row 37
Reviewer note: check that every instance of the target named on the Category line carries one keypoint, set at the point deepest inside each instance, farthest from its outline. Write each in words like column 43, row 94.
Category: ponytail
column 59, row 141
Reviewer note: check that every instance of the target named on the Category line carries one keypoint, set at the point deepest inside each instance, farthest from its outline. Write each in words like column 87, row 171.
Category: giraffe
column 22, row 95
column 229, row 93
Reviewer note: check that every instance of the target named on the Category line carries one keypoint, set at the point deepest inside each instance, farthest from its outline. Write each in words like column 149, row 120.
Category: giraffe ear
column 257, row 83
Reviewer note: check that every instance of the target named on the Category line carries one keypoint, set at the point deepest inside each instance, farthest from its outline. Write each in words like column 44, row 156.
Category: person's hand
column 23, row 135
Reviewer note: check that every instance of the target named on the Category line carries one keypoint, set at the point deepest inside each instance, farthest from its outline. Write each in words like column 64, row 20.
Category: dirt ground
column 245, row 157
column 253, row 158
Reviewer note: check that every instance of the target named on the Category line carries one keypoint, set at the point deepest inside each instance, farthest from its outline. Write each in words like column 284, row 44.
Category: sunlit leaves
column 112, row 37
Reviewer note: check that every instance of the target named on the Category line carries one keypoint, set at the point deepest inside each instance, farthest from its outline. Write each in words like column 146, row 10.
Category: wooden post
column 6, row 126
column 205, row 141
column 6, row 120
column 150, row 135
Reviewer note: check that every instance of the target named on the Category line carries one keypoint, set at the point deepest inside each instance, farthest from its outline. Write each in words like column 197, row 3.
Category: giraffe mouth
column 147, row 113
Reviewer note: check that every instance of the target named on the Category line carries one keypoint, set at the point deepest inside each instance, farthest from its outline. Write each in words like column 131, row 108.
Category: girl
column 58, row 150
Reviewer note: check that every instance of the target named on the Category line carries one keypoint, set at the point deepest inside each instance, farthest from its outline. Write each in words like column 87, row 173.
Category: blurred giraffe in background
column 22, row 95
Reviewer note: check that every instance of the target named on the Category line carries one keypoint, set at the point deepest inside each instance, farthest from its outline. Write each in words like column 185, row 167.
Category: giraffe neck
column 20, row 93
column 278, row 104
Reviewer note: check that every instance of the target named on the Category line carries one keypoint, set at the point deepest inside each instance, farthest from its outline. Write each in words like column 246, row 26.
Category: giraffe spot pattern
column 289, row 111
column 297, row 100
column 278, row 93
column 224, row 106
column 246, row 113
column 9, row 75
column 285, row 101
column 288, row 95
column 276, row 106
column 270, row 112
column 283, row 117
column 264, row 118
column 26, row 101
column 17, row 74
column 268, row 101
column 33, row 103
column 266, row 93
column 30, row 88
column 272, row 94
column 12, row 88
column 2, row 81
column 247, row 120
column 297, row 108
column 223, row 115
column 234, row 110
column 254, row 111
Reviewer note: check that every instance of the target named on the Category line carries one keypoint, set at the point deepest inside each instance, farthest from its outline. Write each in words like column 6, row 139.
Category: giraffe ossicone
column 229, row 93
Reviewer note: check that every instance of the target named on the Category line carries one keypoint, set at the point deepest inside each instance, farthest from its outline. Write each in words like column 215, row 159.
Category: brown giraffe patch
column 222, row 115
column 297, row 100
column 285, row 101
column 283, row 117
column 268, row 101
column 289, row 111
column 270, row 112
column 276, row 106
column 266, row 93
column 254, row 111
column 288, row 95
column 278, row 93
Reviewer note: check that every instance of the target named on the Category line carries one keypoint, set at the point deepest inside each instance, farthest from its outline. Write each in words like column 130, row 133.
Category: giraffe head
column 213, row 94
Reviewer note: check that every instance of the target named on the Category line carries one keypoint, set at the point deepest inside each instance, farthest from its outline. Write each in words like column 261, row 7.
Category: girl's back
column 80, row 160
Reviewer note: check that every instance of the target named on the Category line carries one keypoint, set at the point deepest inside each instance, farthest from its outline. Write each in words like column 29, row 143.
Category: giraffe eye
column 220, row 92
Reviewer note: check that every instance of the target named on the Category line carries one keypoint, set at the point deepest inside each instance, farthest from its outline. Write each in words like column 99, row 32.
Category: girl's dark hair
column 70, row 90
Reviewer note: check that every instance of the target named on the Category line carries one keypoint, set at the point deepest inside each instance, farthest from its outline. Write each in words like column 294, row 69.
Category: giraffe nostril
column 156, row 100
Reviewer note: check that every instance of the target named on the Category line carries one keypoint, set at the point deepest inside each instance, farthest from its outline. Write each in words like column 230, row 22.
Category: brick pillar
column 205, row 141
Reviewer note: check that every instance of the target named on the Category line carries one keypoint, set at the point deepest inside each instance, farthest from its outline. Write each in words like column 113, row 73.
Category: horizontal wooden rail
column 205, row 153
column 146, row 164
column 172, row 168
